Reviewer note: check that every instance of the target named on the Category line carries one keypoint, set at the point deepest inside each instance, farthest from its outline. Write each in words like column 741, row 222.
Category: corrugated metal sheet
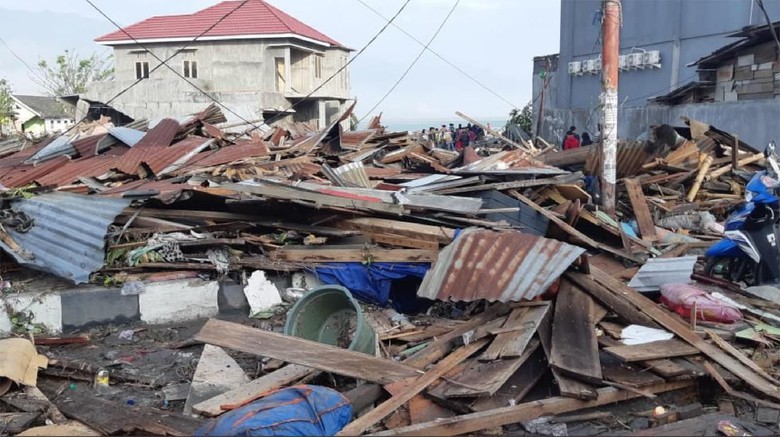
column 88, row 146
column 150, row 146
column 68, row 236
column 127, row 136
column 84, row 167
column 630, row 159
column 25, row 175
column 497, row 266
column 60, row 146
column 513, row 162
column 660, row 271
column 353, row 140
column 232, row 153
column 167, row 190
column 177, row 154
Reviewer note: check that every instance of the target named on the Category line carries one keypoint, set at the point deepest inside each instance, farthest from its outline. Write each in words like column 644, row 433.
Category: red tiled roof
column 256, row 17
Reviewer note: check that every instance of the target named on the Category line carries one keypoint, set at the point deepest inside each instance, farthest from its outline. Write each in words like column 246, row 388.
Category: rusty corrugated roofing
column 158, row 138
column 85, row 167
column 232, row 153
column 88, row 146
column 26, row 174
column 511, row 162
column 356, row 138
column 497, row 266
column 179, row 153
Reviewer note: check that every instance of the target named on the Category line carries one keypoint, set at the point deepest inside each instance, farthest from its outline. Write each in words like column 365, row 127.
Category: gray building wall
column 682, row 30
column 754, row 121
column 241, row 74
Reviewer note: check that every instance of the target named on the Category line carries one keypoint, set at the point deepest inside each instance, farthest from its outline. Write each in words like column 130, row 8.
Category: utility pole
column 609, row 100
column 539, row 118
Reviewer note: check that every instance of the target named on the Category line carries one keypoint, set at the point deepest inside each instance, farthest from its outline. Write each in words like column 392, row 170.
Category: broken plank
column 442, row 234
column 673, row 324
column 14, row 423
column 500, row 186
column 304, row 352
column 573, row 232
column 627, row 311
column 575, row 349
column 652, row 351
column 469, row 423
column 723, row 344
column 252, row 390
column 481, row 378
column 111, row 417
column 384, row 409
column 644, row 218
column 569, row 387
column 439, row 347
column 517, row 386
column 292, row 254
column 615, row 371
column 512, row 344
column 665, row 367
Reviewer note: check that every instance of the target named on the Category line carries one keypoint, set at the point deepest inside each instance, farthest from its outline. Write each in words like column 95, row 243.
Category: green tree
column 523, row 117
column 70, row 74
column 7, row 114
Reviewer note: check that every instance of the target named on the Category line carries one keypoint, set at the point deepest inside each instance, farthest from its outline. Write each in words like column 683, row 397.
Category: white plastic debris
column 262, row 295
column 638, row 334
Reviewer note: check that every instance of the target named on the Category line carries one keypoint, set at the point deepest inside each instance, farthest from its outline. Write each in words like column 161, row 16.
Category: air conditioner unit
column 575, row 68
column 587, row 66
column 597, row 68
column 635, row 60
column 623, row 62
column 652, row 59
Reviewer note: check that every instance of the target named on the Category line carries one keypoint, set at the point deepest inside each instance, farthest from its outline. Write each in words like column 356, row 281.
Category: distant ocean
column 418, row 125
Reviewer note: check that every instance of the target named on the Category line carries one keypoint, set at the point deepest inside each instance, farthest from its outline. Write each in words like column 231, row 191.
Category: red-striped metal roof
column 151, row 145
column 91, row 166
column 232, row 153
column 26, row 174
column 255, row 18
column 175, row 154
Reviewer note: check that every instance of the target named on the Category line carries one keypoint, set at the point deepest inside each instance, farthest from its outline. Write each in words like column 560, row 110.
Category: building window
column 142, row 70
column 344, row 73
column 281, row 74
column 191, row 69
column 317, row 67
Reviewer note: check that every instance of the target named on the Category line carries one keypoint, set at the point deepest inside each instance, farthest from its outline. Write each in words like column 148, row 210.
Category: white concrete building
column 258, row 62
column 38, row 116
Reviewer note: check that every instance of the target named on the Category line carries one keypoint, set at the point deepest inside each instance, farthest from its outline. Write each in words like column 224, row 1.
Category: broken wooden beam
column 644, row 218
column 333, row 255
column 469, row 423
column 304, row 352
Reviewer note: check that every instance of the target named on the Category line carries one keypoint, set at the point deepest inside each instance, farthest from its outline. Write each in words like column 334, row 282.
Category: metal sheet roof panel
column 150, row 146
column 497, row 266
column 68, row 236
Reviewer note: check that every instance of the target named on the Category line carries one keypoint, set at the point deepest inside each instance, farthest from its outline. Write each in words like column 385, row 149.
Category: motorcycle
column 749, row 252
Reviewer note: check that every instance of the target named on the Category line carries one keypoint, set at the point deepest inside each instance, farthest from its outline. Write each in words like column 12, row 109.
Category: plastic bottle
column 102, row 381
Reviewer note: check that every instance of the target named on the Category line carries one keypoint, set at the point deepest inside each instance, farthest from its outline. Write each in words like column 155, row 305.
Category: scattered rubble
column 492, row 291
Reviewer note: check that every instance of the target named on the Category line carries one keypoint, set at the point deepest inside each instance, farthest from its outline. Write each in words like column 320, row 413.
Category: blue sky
column 492, row 40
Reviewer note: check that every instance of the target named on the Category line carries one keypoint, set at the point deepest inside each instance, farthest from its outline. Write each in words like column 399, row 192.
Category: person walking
column 586, row 141
column 449, row 140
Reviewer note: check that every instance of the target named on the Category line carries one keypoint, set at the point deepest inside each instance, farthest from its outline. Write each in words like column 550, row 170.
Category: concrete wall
column 754, row 121
column 682, row 30
column 239, row 74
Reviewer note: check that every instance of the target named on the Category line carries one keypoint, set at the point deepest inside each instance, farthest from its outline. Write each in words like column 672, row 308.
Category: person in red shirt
column 570, row 141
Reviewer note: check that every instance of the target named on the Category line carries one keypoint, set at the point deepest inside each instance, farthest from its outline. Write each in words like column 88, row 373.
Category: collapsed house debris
column 481, row 276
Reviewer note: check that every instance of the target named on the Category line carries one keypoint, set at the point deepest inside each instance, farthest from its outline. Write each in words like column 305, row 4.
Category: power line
column 139, row 79
column 32, row 70
column 458, row 69
column 343, row 67
column 368, row 44
column 422, row 52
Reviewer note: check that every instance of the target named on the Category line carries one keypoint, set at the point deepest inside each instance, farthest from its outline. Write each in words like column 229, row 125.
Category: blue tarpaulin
column 371, row 282
column 303, row 410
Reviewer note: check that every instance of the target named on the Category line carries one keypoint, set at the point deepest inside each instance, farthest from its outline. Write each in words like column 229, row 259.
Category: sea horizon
column 418, row 125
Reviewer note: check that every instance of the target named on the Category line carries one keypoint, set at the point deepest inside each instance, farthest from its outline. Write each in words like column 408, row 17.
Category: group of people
column 572, row 140
column 452, row 138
